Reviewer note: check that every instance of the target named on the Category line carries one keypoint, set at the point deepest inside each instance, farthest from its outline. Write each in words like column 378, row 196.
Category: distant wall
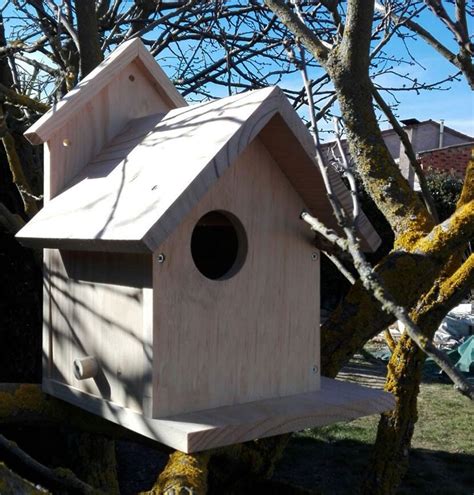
column 452, row 159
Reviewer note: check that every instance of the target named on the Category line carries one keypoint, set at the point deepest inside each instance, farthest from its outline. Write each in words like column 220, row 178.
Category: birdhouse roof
column 132, row 195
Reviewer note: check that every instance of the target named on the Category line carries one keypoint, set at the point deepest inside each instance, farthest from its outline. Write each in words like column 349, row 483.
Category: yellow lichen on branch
column 389, row 340
column 184, row 473
column 453, row 233
column 403, row 379
column 24, row 399
column 467, row 193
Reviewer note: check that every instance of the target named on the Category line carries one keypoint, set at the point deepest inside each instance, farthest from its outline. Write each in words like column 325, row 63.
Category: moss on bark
column 183, row 474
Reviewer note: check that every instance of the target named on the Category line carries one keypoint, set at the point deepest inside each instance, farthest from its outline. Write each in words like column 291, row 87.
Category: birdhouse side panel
column 99, row 312
column 251, row 333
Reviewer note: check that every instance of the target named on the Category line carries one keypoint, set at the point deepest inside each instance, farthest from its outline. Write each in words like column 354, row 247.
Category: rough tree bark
column 88, row 35
column 395, row 431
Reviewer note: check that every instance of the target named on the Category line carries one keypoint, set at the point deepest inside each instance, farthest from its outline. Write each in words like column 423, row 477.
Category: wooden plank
column 254, row 335
column 47, row 338
column 147, row 345
column 96, row 81
column 281, row 136
column 173, row 167
column 103, row 320
column 195, row 432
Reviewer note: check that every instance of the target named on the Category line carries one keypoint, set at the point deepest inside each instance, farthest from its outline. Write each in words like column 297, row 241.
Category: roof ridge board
column 449, row 146
column 178, row 112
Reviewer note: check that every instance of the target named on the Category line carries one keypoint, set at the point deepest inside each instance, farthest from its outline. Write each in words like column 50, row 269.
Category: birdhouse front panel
column 236, row 295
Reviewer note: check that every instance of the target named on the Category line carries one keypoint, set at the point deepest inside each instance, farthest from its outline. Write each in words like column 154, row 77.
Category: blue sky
column 455, row 104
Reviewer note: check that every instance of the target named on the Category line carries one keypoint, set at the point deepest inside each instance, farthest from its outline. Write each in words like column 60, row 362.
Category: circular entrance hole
column 218, row 245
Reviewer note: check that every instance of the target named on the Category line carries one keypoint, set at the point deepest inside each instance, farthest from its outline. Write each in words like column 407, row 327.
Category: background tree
column 215, row 48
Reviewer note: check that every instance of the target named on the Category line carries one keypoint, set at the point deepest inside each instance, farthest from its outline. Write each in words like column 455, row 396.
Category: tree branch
column 19, row 178
column 409, row 152
column 11, row 222
column 88, row 36
column 23, row 100
column 355, row 45
column 462, row 62
column 299, row 29
column 56, row 478
column 12, row 484
column 450, row 235
column 184, row 473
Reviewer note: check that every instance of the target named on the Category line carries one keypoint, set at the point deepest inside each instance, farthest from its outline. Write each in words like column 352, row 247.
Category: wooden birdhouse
column 181, row 289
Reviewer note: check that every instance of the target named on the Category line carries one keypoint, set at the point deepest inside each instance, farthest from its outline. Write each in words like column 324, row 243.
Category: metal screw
column 314, row 369
column 161, row 258
column 131, row 77
column 314, row 256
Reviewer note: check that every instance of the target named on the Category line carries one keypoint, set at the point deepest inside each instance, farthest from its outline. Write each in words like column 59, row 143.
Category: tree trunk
column 395, row 430
column 88, row 35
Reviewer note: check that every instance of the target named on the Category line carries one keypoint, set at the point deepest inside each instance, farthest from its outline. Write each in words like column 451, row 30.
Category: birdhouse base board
column 197, row 431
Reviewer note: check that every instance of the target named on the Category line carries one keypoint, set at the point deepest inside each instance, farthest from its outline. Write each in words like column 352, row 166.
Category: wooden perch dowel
column 86, row 367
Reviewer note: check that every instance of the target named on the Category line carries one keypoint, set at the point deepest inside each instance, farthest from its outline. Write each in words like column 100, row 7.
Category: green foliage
column 445, row 189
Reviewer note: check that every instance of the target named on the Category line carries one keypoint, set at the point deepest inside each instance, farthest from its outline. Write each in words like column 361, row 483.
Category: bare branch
column 22, row 100
column 299, row 29
column 18, row 175
column 59, row 478
column 11, row 222
column 347, row 172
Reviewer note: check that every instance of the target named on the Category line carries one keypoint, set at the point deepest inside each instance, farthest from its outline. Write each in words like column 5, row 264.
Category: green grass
column 332, row 459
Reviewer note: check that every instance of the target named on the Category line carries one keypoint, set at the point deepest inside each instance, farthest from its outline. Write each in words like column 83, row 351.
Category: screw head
column 315, row 369
column 314, row 256
column 161, row 258
column 131, row 77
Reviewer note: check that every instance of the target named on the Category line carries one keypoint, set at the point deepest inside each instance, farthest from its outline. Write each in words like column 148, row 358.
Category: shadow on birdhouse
column 181, row 290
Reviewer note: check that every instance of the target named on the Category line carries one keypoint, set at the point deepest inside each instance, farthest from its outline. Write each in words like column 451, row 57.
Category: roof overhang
column 137, row 191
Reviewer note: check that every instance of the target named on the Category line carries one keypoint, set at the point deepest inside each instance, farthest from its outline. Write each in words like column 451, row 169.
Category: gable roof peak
column 128, row 52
